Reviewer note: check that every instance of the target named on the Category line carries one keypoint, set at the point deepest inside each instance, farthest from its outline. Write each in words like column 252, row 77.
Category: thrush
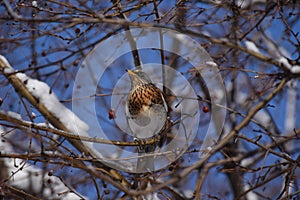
column 146, row 112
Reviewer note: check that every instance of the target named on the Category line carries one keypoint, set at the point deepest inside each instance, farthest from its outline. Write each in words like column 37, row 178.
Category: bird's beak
column 130, row 72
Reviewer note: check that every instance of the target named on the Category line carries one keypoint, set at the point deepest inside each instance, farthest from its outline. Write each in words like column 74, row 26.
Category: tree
column 49, row 149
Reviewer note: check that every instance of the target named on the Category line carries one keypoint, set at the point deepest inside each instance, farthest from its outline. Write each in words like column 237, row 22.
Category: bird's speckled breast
column 145, row 95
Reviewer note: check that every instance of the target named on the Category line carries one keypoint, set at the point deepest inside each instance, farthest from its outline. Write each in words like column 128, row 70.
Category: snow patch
column 33, row 178
column 251, row 46
column 211, row 63
column 293, row 68
column 44, row 94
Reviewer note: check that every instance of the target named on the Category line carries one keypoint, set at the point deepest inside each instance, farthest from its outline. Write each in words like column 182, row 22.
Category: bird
column 146, row 113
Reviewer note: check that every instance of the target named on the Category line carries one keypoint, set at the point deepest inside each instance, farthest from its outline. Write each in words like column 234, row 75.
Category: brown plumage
column 146, row 108
column 146, row 112
column 144, row 96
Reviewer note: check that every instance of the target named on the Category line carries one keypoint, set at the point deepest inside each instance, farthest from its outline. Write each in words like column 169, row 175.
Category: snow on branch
column 21, row 177
column 43, row 98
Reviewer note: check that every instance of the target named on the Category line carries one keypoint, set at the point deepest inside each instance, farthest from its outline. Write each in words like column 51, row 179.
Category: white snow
column 211, row 63
column 250, row 195
column 3, row 59
column 249, row 3
column 34, row 3
column 292, row 68
column 285, row 62
column 44, row 94
column 13, row 115
column 189, row 194
column 295, row 69
column 251, row 46
column 8, row 70
column 30, row 178
column 246, row 162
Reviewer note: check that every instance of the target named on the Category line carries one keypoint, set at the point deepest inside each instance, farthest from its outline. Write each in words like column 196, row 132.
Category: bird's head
column 138, row 77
